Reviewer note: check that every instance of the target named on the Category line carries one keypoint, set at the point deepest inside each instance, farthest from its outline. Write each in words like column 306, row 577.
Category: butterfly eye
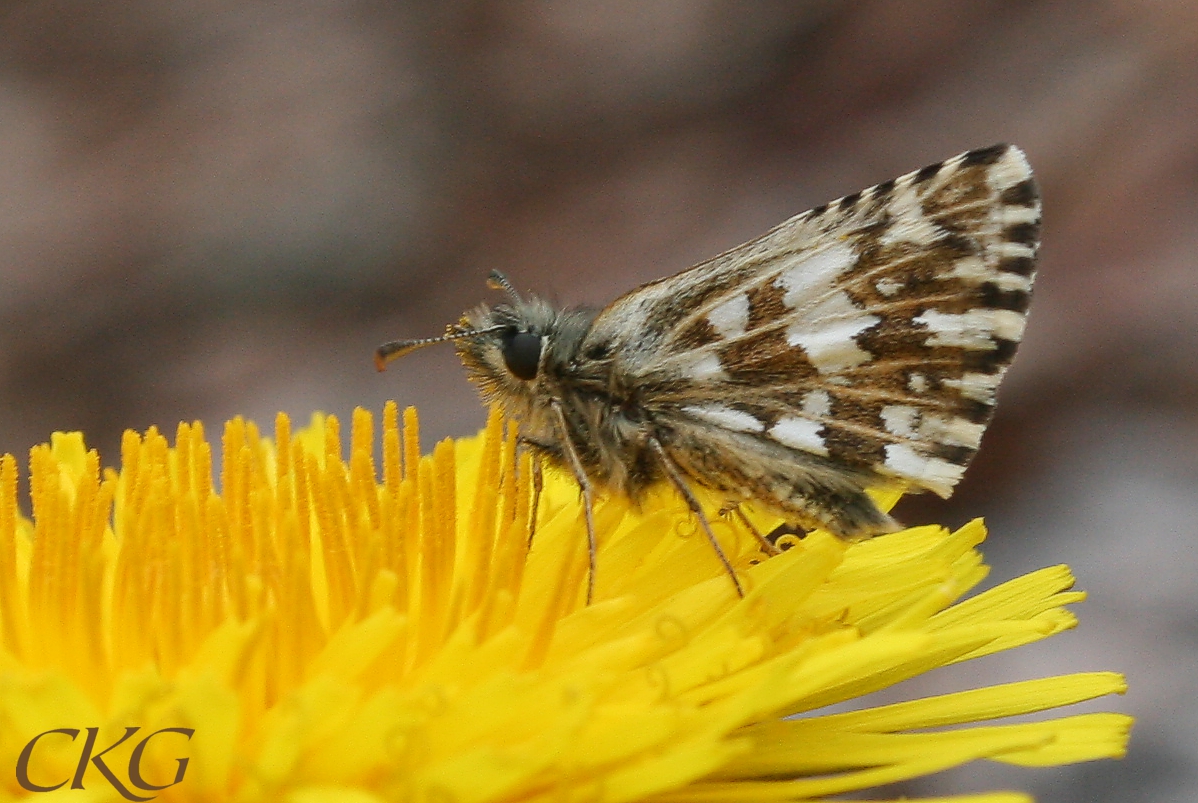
column 522, row 354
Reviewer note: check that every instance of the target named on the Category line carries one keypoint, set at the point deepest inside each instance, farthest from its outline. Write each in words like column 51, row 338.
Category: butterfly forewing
column 870, row 334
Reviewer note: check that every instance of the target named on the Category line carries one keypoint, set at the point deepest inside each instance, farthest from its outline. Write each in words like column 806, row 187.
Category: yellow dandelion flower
column 315, row 633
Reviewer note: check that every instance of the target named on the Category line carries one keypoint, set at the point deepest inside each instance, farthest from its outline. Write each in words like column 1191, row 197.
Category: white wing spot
column 975, row 386
column 900, row 419
column 800, row 433
column 1010, row 249
column 726, row 417
column 908, row 224
column 970, row 269
column 975, row 271
column 827, row 334
column 817, row 403
column 825, row 321
column 887, row 286
column 1008, row 171
column 938, row 476
column 976, row 329
column 1020, row 214
column 705, row 368
column 909, row 422
column 917, row 383
column 731, row 318
column 814, row 273
column 951, row 431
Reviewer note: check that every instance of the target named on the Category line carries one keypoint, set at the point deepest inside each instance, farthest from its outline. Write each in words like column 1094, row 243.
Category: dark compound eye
column 522, row 354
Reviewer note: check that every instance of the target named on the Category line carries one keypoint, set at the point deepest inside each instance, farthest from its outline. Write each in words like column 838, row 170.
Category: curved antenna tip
column 389, row 352
column 497, row 281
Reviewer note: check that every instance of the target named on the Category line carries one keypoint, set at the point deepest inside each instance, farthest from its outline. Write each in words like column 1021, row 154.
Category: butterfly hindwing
column 870, row 333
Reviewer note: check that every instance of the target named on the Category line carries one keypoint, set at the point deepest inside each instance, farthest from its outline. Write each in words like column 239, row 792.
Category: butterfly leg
column 676, row 478
column 588, row 495
column 538, row 485
column 767, row 546
column 537, row 450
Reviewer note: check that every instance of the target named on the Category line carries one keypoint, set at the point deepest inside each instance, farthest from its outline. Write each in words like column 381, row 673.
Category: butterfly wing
column 865, row 338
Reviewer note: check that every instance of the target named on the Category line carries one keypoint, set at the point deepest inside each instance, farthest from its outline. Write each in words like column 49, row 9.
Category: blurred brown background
column 210, row 209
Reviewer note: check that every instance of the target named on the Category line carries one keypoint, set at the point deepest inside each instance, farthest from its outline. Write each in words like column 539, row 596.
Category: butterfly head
column 505, row 347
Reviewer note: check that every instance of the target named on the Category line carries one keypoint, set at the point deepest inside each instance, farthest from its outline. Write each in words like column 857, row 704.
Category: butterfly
column 859, row 344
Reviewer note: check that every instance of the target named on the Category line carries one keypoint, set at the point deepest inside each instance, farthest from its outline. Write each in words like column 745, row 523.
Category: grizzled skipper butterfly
column 857, row 345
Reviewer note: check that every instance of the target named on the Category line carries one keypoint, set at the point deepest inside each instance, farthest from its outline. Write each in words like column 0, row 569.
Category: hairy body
column 857, row 345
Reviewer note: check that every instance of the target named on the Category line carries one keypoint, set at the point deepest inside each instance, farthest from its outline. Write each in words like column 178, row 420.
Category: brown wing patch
column 851, row 432
column 696, row 334
column 766, row 305
column 765, row 358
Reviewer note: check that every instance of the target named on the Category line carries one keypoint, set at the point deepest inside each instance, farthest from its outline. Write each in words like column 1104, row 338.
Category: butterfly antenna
column 399, row 348
column 497, row 281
